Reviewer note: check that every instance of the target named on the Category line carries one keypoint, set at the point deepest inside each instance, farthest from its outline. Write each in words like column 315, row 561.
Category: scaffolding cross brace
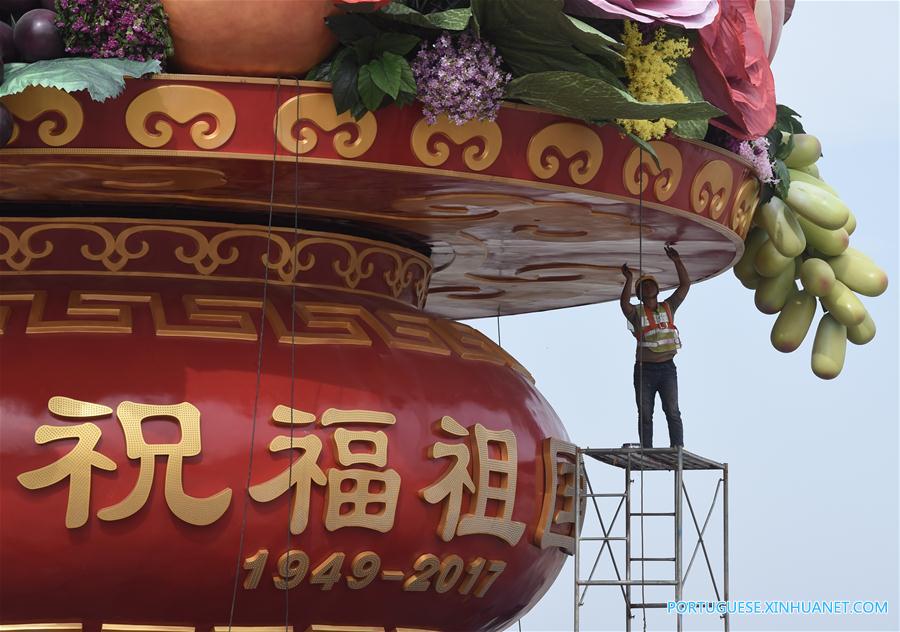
column 675, row 460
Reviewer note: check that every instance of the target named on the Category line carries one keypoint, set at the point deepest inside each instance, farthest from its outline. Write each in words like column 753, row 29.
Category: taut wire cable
column 640, row 355
column 295, row 256
column 259, row 358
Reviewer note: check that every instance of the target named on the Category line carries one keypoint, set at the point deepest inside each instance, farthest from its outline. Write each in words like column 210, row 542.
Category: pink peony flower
column 690, row 14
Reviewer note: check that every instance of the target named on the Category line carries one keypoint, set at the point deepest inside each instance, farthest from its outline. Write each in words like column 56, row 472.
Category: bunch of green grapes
column 806, row 236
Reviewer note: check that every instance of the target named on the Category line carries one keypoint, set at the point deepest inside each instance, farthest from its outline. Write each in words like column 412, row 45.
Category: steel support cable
column 640, row 394
column 295, row 255
column 259, row 359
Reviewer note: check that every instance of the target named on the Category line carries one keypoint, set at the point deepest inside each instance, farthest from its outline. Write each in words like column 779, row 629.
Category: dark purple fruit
column 36, row 36
column 18, row 7
column 6, row 125
column 7, row 48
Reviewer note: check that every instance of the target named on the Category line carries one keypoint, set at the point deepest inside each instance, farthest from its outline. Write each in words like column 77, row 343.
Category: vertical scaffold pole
column 678, row 482
column 725, row 543
column 577, row 532
column 627, row 543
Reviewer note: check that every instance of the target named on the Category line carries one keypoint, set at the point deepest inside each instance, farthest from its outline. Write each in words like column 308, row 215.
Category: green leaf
column 451, row 20
column 407, row 80
column 386, row 72
column 591, row 40
column 786, row 120
column 344, row 81
column 640, row 142
column 349, row 27
column 358, row 110
column 536, row 36
column 320, row 72
column 369, row 92
column 691, row 128
column 685, row 79
column 398, row 43
column 102, row 78
column 405, row 98
column 592, row 99
column 784, row 179
column 785, row 147
column 364, row 49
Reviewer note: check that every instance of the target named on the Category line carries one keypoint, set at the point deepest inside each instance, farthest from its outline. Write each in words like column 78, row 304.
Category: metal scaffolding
column 629, row 459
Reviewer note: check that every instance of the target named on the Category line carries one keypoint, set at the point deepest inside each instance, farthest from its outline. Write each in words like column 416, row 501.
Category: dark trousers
column 662, row 378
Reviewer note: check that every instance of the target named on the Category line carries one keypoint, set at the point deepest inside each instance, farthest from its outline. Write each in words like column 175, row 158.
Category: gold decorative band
column 206, row 250
column 235, row 318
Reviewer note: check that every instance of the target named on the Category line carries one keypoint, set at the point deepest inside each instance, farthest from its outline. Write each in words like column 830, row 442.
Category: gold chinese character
column 503, row 469
column 365, row 489
column 455, row 478
column 78, row 463
column 196, row 511
column 301, row 474
column 558, row 507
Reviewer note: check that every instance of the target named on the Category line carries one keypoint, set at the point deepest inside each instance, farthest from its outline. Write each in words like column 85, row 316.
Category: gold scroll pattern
column 579, row 143
column 744, row 205
column 640, row 170
column 711, row 188
column 38, row 101
column 481, row 142
column 181, row 104
column 319, row 109
column 203, row 254
column 236, row 317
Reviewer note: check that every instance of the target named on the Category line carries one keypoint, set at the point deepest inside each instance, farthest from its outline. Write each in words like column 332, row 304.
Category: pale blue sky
column 813, row 464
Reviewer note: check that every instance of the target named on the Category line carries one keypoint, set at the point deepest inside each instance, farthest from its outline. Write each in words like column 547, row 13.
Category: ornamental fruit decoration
column 805, row 236
column 36, row 36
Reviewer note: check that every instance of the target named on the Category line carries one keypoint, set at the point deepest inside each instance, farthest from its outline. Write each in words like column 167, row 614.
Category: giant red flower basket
column 196, row 405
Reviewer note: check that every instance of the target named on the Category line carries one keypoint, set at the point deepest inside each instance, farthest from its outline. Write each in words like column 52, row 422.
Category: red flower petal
column 733, row 71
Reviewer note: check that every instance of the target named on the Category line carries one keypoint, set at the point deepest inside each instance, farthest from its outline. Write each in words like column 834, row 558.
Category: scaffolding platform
column 634, row 458
column 652, row 459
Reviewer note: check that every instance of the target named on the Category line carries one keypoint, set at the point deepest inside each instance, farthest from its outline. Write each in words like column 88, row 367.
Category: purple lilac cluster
column 756, row 152
column 462, row 79
column 125, row 29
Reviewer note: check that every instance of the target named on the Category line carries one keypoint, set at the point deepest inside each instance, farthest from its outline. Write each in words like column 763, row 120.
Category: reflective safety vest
column 658, row 329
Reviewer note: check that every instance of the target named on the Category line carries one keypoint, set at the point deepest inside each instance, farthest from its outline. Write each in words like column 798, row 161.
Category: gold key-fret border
column 236, row 318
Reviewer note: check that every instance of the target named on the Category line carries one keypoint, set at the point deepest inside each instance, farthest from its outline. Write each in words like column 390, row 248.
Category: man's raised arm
column 625, row 299
column 684, row 281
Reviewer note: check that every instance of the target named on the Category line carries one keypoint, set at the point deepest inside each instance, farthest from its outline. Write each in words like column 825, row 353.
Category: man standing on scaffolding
column 653, row 325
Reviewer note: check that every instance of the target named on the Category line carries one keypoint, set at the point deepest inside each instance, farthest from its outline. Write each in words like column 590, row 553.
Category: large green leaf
column 686, row 80
column 407, row 80
column 450, row 20
column 591, row 99
column 398, row 43
column 345, row 71
column 386, row 71
column 786, row 120
column 369, row 92
column 102, row 78
column 589, row 39
column 536, row 36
